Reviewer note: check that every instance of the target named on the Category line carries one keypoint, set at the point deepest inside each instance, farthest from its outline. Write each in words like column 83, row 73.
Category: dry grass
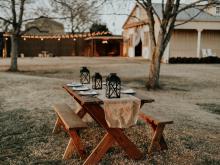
column 190, row 96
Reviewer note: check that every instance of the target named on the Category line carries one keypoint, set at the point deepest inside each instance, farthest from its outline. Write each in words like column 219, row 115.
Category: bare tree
column 167, row 17
column 79, row 14
column 12, row 14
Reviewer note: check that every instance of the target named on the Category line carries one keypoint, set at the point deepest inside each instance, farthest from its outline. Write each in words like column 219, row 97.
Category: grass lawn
column 190, row 96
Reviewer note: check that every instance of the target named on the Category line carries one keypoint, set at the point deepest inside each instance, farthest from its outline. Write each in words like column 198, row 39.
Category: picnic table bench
column 91, row 105
column 157, row 124
column 70, row 122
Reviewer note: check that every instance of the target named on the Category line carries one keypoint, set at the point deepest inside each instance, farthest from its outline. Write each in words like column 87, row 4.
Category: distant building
column 197, row 38
column 44, row 25
column 46, row 37
column 104, row 46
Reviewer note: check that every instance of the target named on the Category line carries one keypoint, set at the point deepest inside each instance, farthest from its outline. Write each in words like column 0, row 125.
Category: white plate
column 88, row 93
column 128, row 91
column 80, row 88
column 74, row 85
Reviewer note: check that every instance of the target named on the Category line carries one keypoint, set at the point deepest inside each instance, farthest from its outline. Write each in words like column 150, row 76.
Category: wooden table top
column 93, row 99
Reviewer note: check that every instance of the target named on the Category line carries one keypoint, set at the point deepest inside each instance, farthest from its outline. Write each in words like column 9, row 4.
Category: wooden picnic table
column 92, row 106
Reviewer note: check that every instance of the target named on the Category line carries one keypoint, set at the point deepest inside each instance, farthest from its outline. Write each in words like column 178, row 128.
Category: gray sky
column 114, row 21
column 121, row 8
column 107, row 16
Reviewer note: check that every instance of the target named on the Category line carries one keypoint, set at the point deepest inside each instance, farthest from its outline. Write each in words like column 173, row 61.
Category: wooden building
column 47, row 38
column 104, row 46
column 32, row 47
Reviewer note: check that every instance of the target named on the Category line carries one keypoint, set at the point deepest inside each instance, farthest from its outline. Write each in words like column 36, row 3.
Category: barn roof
column 183, row 16
column 187, row 14
column 43, row 19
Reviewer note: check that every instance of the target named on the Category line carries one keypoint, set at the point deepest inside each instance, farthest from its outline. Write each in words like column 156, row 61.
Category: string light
column 58, row 37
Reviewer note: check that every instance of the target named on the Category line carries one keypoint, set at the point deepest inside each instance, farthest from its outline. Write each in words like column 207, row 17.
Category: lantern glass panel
column 97, row 81
column 84, row 75
column 113, row 86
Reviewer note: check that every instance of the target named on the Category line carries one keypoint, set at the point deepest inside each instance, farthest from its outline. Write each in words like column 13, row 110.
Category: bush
column 194, row 60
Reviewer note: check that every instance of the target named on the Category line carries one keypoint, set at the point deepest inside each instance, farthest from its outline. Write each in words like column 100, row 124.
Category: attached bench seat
column 157, row 124
column 70, row 122
column 69, row 118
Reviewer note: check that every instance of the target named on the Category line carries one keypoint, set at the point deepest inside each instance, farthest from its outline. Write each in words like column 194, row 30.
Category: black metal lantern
column 97, row 81
column 84, row 75
column 113, row 86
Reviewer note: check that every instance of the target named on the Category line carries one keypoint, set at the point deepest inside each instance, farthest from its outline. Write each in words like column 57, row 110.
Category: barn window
column 218, row 10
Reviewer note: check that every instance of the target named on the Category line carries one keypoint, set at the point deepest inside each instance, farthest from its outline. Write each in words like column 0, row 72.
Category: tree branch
column 186, row 21
column 5, row 20
column 13, row 12
column 198, row 4
column 151, row 19
column 21, row 15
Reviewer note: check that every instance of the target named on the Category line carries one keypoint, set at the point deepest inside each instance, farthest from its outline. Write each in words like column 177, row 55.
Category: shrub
column 194, row 60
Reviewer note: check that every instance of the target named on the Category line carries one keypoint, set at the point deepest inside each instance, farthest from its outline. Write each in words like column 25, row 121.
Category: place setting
column 110, row 88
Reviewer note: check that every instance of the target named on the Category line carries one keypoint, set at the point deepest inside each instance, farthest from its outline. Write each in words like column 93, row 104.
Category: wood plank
column 74, row 144
column 81, row 113
column 69, row 150
column 96, row 155
column 94, row 100
column 57, row 126
column 134, row 24
column 82, row 99
column 130, row 148
column 68, row 117
column 78, row 144
column 155, row 143
column 157, row 120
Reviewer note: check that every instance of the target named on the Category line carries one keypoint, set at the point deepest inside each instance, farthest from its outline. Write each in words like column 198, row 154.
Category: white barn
column 197, row 38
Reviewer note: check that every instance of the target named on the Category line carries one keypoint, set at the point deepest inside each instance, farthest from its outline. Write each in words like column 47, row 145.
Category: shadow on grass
column 172, row 83
column 210, row 107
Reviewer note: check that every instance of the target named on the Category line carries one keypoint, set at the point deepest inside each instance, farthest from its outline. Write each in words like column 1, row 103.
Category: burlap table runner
column 120, row 112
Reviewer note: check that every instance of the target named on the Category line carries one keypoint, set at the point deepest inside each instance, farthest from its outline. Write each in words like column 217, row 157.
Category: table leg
column 57, row 126
column 158, row 141
column 130, row 148
column 74, row 144
column 81, row 113
column 96, row 155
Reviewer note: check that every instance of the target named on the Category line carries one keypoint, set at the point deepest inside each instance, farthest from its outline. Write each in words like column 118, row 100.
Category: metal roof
column 189, row 13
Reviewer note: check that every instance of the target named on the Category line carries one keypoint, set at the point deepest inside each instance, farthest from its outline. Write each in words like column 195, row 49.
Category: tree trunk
column 14, row 53
column 154, row 74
